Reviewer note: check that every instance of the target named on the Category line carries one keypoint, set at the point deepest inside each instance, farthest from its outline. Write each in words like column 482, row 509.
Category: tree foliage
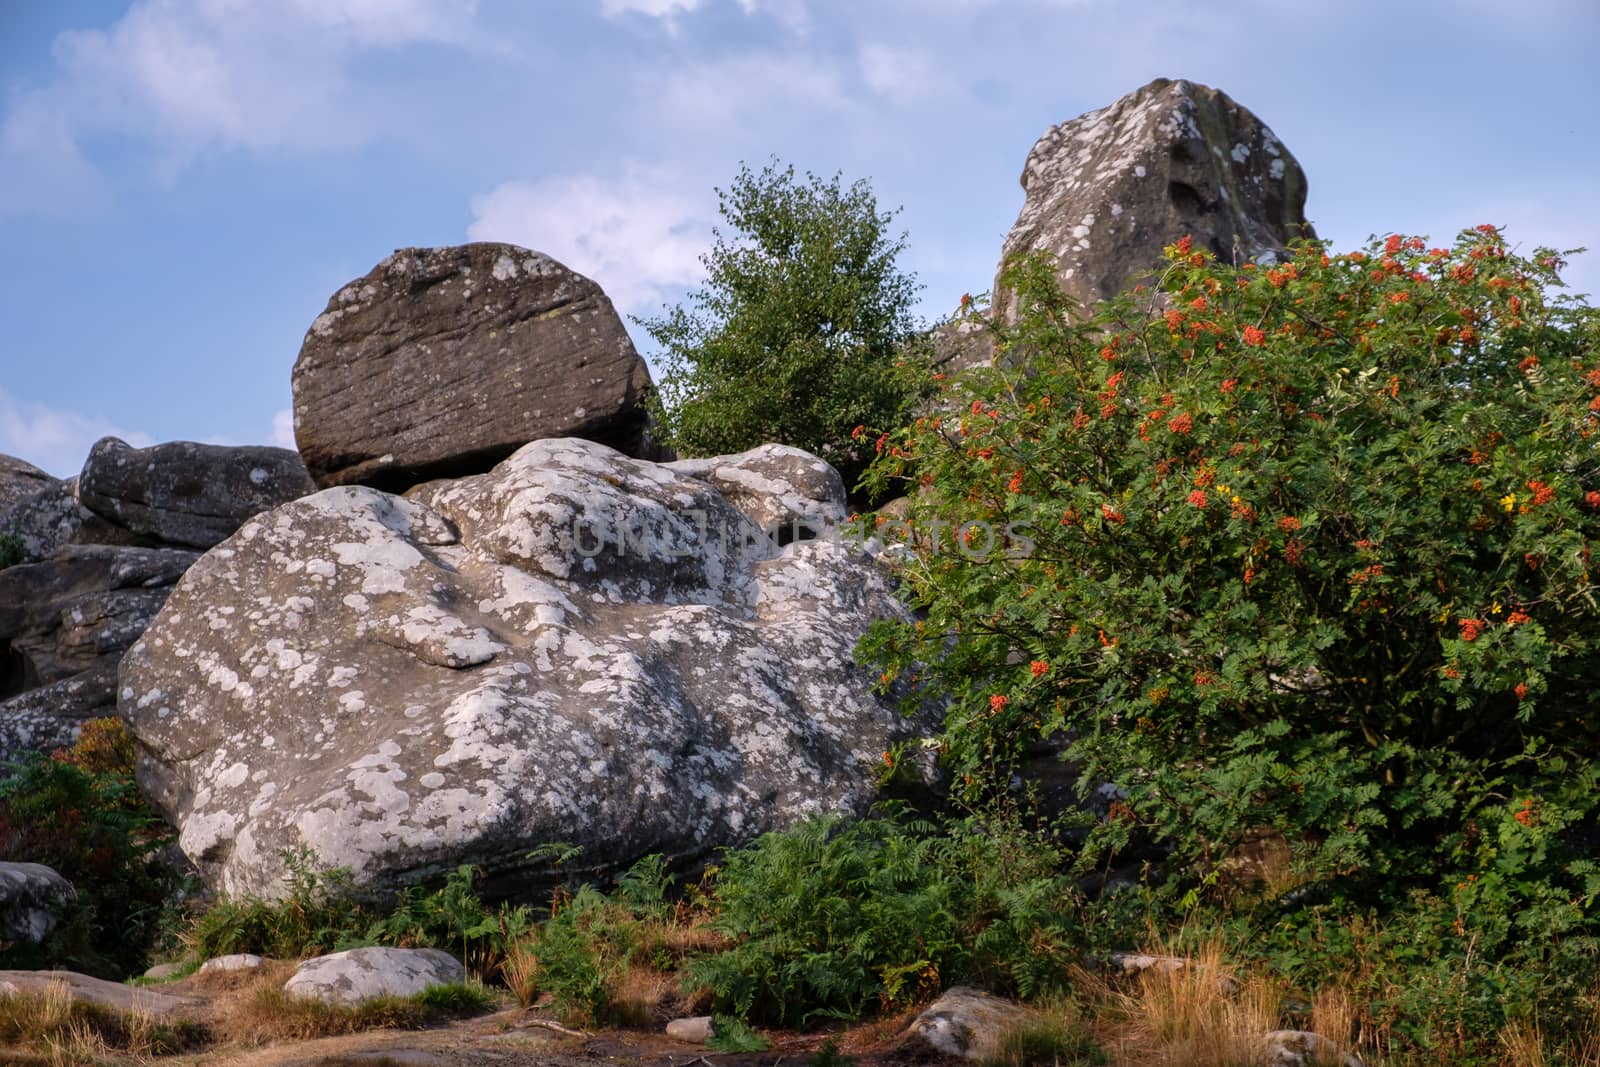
column 1303, row 547
column 795, row 335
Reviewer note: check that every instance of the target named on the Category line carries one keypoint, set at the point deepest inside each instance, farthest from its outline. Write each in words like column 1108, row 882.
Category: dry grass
column 256, row 1011
column 51, row 1027
column 1526, row 1044
column 1055, row 1033
column 1205, row 1013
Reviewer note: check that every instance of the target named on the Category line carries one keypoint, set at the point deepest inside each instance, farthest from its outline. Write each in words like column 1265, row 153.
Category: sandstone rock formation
column 183, row 493
column 19, row 480
column 441, row 362
column 64, row 623
column 45, row 520
column 1107, row 191
column 575, row 647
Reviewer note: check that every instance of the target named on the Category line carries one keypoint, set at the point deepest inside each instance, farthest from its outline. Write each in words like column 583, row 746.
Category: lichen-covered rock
column 52, row 519
column 348, row 978
column 64, row 623
column 575, row 647
column 440, row 362
column 967, row 1024
column 31, row 896
column 19, row 480
column 184, row 493
column 1107, row 191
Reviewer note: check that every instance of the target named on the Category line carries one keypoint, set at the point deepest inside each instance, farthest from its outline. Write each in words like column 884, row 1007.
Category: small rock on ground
column 348, row 978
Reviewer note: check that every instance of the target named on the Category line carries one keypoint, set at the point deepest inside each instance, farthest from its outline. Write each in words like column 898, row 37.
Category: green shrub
column 1302, row 549
column 317, row 914
column 320, row 913
column 453, row 918
column 829, row 918
column 795, row 336
column 80, row 813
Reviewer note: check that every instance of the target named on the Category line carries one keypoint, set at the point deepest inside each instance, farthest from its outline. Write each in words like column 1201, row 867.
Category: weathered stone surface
column 51, row 716
column 1107, row 191
column 348, row 978
column 64, row 623
column 1302, row 1048
column 52, row 518
column 967, row 1024
column 440, row 362
column 163, row 1004
column 961, row 345
column 19, row 480
column 31, row 896
column 406, row 684
column 184, row 493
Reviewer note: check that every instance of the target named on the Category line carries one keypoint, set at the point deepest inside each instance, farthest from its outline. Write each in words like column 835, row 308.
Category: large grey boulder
column 1107, row 191
column 31, row 896
column 440, row 362
column 64, row 623
column 184, row 493
column 575, row 647
column 350, row 977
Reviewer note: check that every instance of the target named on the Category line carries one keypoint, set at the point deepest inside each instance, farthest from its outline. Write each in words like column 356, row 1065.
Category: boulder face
column 184, row 493
column 441, row 362
column 1107, row 191
column 576, row 647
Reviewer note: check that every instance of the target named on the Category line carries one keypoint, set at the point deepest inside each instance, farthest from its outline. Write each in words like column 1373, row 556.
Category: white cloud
column 187, row 76
column 639, row 236
column 752, row 88
column 283, row 430
column 55, row 439
column 902, row 74
column 654, row 8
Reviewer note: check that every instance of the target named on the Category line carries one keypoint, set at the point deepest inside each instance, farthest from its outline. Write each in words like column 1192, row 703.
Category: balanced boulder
column 441, row 362
column 576, row 647
column 183, row 493
column 1107, row 191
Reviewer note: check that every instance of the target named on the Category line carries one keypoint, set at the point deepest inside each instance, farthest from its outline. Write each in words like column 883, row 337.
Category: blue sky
column 184, row 184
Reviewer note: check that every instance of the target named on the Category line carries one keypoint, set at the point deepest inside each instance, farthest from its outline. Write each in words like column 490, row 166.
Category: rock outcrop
column 51, row 517
column 64, row 624
column 19, row 480
column 575, row 647
column 183, row 493
column 441, row 362
column 1107, row 191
